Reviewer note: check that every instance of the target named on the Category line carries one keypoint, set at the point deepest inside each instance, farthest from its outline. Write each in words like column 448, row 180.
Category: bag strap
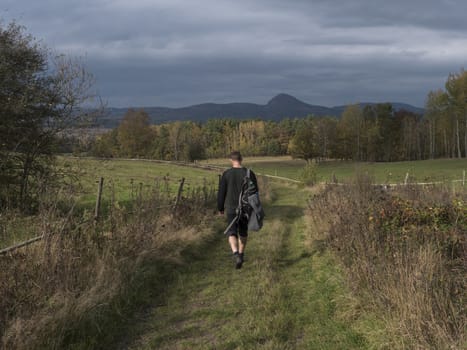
column 245, row 183
column 239, row 207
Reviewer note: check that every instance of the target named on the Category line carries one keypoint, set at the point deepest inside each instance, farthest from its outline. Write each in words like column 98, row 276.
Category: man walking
column 230, row 187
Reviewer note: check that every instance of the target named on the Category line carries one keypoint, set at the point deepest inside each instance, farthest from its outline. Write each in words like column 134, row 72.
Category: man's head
column 236, row 158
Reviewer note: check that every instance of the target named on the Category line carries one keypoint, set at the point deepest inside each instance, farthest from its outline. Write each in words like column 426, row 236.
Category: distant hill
column 279, row 107
column 396, row 105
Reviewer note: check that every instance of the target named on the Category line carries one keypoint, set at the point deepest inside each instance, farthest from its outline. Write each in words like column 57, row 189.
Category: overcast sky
column 328, row 52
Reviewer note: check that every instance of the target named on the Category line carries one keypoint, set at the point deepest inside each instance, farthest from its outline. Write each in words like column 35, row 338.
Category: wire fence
column 173, row 202
column 163, row 185
column 407, row 182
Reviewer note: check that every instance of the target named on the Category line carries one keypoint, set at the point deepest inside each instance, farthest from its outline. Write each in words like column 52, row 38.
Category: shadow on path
column 285, row 212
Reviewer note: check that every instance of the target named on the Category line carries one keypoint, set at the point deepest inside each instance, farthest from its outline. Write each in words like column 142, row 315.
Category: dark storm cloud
column 432, row 14
column 173, row 52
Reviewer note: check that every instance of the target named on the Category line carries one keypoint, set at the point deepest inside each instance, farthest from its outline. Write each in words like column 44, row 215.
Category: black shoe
column 238, row 261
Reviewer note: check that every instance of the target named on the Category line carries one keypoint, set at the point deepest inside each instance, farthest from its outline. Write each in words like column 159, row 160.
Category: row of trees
column 189, row 141
column 372, row 133
column 378, row 133
column 375, row 133
column 446, row 118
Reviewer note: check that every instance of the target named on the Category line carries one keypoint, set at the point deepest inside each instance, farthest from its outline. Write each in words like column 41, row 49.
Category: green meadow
column 395, row 172
column 123, row 178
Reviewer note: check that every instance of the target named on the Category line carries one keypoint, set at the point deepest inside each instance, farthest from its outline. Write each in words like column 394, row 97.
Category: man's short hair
column 236, row 156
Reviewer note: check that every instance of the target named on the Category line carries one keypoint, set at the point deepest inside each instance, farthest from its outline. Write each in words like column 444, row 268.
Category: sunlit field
column 124, row 177
column 420, row 171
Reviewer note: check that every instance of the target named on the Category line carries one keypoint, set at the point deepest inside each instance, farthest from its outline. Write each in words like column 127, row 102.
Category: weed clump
column 77, row 286
column 404, row 252
column 308, row 175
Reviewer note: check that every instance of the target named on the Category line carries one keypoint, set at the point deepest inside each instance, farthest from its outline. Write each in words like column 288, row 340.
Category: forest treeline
column 372, row 133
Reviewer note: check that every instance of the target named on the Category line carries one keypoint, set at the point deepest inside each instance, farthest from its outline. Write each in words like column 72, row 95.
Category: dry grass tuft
column 405, row 256
column 81, row 277
column 265, row 189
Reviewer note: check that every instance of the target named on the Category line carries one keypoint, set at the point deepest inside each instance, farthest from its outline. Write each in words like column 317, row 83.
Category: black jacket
column 230, row 186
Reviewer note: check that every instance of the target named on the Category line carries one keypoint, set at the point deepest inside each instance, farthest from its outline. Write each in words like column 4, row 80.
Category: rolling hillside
column 279, row 107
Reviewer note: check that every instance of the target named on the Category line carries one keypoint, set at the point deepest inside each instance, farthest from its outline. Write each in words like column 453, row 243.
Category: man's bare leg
column 238, row 247
column 242, row 244
column 233, row 243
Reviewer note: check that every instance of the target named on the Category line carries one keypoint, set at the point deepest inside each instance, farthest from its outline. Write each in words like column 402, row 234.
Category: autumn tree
column 134, row 134
column 302, row 145
column 325, row 136
column 215, row 138
column 456, row 93
column 106, row 145
column 41, row 97
column 435, row 109
column 160, row 148
column 446, row 118
column 350, row 129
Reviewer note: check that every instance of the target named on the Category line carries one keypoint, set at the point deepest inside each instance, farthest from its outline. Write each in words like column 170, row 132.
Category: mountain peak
column 279, row 107
column 283, row 99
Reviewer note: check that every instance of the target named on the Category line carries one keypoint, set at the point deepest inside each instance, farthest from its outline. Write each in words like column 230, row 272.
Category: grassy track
column 283, row 298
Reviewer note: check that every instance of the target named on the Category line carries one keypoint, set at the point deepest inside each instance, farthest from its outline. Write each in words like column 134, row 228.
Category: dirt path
column 283, row 298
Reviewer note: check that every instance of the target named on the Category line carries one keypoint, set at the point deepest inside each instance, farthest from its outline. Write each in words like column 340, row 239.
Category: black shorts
column 238, row 228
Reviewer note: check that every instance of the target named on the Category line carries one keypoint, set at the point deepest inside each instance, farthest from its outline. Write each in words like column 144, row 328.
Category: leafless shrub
column 83, row 268
column 405, row 256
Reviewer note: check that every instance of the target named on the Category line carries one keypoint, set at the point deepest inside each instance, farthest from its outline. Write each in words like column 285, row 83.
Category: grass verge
column 404, row 254
column 79, row 285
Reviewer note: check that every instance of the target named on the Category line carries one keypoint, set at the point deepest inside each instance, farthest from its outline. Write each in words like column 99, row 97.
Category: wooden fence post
column 98, row 199
column 19, row 245
column 334, row 178
column 463, row 178
column 179, row 194
column 406, row 178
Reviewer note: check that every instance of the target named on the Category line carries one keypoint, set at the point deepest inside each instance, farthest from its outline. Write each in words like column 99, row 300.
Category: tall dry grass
column 405, row 255
column 76, row 287
column 265, row 189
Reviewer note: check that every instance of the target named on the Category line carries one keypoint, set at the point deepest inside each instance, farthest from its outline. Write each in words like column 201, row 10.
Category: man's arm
column 221, row 193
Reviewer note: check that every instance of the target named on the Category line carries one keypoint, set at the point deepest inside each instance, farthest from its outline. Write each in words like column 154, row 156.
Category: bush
column 405, row 256
column 308, row 174
column 77, row 286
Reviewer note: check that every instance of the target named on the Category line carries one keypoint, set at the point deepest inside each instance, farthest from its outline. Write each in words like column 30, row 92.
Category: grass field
column 124, row 177
column 420, row 171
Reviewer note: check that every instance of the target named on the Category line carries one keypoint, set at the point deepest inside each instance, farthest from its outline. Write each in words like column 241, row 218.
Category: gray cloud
column 174, row 52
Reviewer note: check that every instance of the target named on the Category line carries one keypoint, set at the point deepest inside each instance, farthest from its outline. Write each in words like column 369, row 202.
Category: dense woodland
column 372, row 133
